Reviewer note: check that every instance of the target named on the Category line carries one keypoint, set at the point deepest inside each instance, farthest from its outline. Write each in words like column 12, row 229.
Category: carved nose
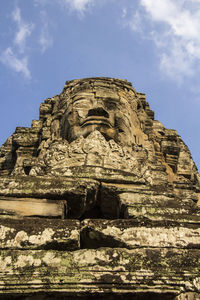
column 99, row 111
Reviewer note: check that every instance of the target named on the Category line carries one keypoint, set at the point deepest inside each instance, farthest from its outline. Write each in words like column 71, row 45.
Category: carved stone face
column 112, row 116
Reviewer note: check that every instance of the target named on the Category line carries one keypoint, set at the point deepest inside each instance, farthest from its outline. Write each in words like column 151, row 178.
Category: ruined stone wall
column 99, row 200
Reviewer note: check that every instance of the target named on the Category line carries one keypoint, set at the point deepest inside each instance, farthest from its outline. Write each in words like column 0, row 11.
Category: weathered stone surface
column 100, row 122
column 120, row 270
column 131, row 234
column 39, row 234
column 138, row 201
column 188, row 296
column 97, row 155
column 67, row 197
column 28, row 207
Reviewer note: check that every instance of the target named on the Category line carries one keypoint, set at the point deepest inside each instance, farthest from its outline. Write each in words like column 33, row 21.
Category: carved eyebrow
column 112, row 100
column 80, row 99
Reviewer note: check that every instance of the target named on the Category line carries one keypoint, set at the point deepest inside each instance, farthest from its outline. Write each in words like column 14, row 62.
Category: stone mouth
column 95, row 120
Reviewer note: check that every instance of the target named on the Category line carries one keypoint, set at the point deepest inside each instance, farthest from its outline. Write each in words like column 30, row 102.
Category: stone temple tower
column 98, row 201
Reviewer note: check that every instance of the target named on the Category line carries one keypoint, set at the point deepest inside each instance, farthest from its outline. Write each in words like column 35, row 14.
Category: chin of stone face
column 98, row 200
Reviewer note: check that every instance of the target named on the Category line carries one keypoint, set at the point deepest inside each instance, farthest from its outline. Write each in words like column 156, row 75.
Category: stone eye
column 110, row 105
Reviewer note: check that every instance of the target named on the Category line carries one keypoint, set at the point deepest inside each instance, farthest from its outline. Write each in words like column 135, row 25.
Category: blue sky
column 155, row 44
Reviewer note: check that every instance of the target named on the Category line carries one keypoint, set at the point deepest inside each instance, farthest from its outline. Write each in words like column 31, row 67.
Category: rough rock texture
column 98, row 200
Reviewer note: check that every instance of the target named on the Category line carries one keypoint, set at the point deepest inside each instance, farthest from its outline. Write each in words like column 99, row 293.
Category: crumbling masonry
column 98, row 200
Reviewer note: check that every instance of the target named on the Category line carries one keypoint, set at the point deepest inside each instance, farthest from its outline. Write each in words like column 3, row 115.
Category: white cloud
column 45, row 39
column 176, row 63
column 18, row 65
column 24, row 30
column 174, row 26
column 12, row 56
column 124, row 12
column 181, row 21
column 135, row 23
column 77, row 5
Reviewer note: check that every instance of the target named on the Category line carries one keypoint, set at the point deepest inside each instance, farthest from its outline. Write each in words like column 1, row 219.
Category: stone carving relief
column 98, row 199
column 98, row 122
column 108, row 113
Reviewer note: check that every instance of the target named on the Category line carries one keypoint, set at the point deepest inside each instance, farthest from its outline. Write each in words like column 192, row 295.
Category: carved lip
column 95, row 120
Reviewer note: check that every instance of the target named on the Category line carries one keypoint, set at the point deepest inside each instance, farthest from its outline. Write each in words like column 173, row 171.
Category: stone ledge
column 113, row 270
column 68, row 234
